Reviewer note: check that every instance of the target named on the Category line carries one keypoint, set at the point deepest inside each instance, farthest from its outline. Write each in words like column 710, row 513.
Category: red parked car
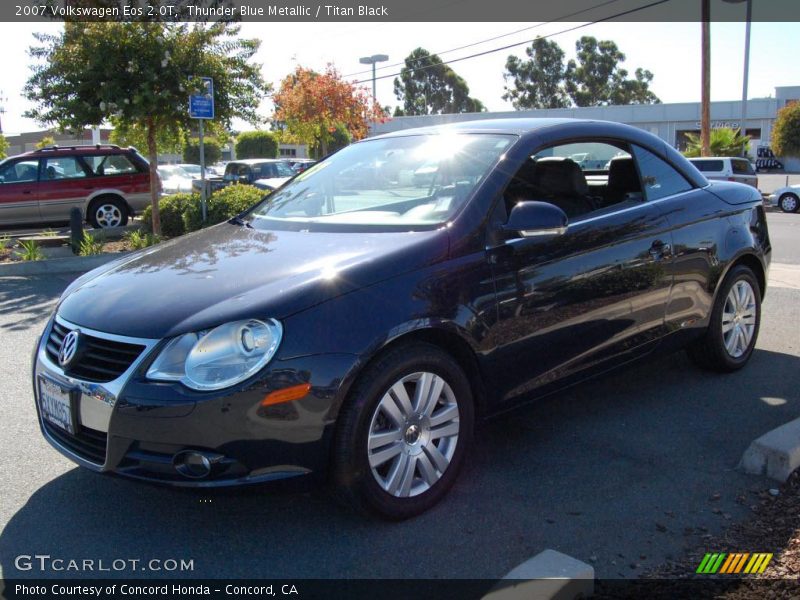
column 106, row 182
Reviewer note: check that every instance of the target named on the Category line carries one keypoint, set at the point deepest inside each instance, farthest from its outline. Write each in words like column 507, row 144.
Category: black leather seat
column 623, row 181
column 560, row 181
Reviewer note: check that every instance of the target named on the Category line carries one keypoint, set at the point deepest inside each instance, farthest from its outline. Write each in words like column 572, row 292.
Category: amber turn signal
column 286, row 394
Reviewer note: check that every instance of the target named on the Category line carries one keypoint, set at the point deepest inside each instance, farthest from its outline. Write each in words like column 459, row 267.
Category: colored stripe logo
column 737, row 562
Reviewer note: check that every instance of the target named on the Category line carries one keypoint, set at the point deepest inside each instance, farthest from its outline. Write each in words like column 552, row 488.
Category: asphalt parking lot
column 624, row 473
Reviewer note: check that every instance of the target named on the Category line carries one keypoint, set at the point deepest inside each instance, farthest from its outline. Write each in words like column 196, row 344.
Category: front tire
column 789, row 203
column 731, row 336
column 403, row 433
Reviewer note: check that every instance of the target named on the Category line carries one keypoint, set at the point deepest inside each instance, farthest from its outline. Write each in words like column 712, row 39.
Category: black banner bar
column 333, row 11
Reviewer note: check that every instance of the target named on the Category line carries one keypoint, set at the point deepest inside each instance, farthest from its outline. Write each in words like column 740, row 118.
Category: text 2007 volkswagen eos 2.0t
column 358, row 322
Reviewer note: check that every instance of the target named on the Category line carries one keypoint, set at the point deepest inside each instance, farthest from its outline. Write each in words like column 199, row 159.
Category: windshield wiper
column 237, row 220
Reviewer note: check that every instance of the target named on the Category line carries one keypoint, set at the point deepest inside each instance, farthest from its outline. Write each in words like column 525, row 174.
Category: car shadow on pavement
column 31, row 299
column 623, row 472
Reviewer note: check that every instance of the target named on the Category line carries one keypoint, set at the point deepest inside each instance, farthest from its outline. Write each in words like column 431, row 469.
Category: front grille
column 89, row 444
column 100, row 360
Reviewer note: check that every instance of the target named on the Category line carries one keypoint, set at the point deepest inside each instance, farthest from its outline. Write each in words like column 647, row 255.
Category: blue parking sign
column 201, row 106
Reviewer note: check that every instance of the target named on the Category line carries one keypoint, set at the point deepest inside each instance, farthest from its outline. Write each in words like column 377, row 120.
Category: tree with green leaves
column 539, row 81
column 256, row 144
column 140, row 74
column 167, row 140
column 427, row 86
column 724, row 142
column 786, row 131
column 3, row 146
column 595, row 77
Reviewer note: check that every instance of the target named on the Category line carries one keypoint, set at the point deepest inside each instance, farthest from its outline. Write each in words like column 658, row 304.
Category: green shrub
column 222, row 205
column 5, row 241
column 256, row 144
column 29, row 250
column 139, row 240
column 171, row 209
column 212, row 151
column 182, row 213
column 90, row 245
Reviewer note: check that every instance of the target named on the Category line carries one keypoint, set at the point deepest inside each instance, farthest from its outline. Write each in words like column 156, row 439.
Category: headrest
column 559, row 175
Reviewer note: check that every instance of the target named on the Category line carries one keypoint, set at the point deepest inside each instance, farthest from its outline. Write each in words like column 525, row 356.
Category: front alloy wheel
column 413, row 434
column 403, row 432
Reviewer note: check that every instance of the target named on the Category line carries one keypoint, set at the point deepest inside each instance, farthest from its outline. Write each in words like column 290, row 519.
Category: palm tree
column 723, row 142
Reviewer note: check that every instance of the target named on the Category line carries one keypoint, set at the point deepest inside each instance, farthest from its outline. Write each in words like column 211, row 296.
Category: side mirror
column 244, row 179
column 530, row 218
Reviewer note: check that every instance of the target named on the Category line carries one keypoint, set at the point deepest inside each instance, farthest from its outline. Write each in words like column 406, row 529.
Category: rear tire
column 108, row 212
column 732, row 333
column 789, row 203
column 403, row 432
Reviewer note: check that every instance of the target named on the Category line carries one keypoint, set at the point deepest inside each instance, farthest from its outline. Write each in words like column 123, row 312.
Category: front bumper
column 135, row 428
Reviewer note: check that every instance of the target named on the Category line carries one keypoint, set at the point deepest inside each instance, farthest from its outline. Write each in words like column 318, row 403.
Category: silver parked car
column 727, row 168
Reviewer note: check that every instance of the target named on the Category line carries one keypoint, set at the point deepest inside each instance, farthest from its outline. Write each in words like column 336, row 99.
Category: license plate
column 56, row 405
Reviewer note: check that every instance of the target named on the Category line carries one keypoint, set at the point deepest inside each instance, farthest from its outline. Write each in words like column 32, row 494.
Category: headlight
column 218, row 358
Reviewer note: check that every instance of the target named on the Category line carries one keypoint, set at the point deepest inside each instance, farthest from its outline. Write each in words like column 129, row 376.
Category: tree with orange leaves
column 310, row 105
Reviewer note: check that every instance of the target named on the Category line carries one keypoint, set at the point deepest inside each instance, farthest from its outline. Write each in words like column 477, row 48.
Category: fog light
column 192, row 464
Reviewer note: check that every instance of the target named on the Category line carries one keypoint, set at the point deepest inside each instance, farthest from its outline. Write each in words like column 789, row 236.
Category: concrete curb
column 549, row 575
column 775, row 454
column 75, row 264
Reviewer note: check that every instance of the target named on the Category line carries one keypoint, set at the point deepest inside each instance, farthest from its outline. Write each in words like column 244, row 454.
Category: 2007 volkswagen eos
column 359, row 321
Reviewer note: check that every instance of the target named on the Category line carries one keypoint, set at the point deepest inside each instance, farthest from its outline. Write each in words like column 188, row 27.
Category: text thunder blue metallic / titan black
column 359, row 321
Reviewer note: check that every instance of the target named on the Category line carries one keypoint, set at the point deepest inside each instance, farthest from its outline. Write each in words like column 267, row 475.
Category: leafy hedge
column 182, row 213
column 256, row 144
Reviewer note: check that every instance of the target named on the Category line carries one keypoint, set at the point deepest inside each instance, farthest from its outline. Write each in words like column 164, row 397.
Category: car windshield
column 395, row 182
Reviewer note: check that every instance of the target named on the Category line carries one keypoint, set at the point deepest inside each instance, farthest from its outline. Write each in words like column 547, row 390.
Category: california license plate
column 56, row 404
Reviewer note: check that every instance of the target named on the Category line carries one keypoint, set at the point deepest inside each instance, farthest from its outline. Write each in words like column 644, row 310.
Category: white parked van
column 727, row 168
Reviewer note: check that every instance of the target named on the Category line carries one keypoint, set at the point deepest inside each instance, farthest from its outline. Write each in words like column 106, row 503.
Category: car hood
column 230, row 272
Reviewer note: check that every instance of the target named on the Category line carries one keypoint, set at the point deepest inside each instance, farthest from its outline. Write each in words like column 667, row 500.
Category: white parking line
column 784, row 276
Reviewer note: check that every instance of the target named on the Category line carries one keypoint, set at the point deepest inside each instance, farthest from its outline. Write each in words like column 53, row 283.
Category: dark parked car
column 360, row 333
column 106, row 182
column 264, row 173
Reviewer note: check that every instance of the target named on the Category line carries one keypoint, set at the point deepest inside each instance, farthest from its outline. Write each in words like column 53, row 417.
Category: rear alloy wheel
column 108, row 213
column 735, row 320
column 789, row 203
column 402, row 436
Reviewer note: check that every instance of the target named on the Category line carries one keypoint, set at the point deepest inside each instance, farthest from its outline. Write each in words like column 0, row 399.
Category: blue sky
column 670, row 50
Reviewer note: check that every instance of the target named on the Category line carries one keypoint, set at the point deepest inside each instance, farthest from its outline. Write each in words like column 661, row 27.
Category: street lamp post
column 745, row 76
column 3, row 100
column 372, row 60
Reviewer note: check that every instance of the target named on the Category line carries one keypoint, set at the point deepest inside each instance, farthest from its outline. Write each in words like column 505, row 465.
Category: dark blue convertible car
column 361, row 320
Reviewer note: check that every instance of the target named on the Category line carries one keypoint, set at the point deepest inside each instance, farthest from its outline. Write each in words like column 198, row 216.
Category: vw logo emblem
column 69, row 347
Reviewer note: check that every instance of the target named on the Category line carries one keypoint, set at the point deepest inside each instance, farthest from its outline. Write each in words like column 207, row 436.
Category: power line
column 476, row 55
column 491, row 39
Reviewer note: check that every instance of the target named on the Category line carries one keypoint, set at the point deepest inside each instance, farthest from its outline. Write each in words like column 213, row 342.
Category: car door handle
column 659, row 250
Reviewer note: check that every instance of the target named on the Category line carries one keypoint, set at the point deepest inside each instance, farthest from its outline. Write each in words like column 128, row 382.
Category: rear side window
column 107, row 165
column 709, row 166
column 62, row 167
column 659, row 179
column 742, row 167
